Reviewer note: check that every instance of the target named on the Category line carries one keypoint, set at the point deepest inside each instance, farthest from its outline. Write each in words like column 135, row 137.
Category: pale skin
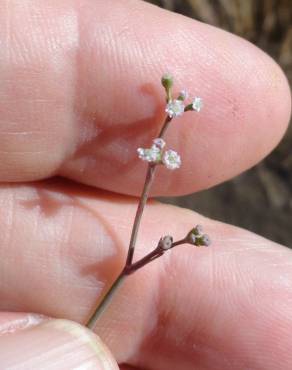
column 79, row 92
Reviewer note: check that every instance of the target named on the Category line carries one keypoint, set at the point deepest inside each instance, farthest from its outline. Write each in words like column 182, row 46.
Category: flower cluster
column 197, row 237
column 174, row 108
column 157, row 155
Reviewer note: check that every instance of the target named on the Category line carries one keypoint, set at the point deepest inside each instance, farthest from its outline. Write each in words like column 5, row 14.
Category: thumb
column 34, row 342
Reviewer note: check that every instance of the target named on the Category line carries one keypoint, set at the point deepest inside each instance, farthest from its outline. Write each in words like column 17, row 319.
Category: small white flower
column 175, row 108
column 152, row 155
column 197, row 104
column 171, row 159
column 160, row 143
column 156, row 155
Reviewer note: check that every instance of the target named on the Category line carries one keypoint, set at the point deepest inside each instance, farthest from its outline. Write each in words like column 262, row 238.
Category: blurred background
column 260, row 199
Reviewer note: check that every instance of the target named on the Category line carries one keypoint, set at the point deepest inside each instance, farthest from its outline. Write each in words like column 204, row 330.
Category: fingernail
column 13, row 321
column 54, row 344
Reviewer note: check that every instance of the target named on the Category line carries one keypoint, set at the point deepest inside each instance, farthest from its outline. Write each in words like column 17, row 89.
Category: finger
column 26, row 342
column 228, row 306
column 80, row 92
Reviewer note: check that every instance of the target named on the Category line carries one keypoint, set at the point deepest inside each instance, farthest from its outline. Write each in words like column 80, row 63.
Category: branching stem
column 143, row 199
column 105, row 300
column 131, row 267
column 171, row 160
column 142, row 202
column 128, row 270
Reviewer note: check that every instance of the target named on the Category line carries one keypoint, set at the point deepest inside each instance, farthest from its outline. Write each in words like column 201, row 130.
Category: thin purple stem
column 129, row 261
column 143, row 199
column 142, row 202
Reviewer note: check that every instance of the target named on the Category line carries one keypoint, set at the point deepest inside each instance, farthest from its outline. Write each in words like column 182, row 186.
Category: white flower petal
column 175, row 108
column 171, row 159
column 197, row 104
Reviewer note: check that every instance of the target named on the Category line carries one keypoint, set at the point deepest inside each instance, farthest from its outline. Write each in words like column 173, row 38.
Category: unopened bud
column 194, row 234
column 167, row 81
column 197, row 238
column 205, row 240
column 191, row 238
column 198, row 230
column 165, row 243
column 183, row 95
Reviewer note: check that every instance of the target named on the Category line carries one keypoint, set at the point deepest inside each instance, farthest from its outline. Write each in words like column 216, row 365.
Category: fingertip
column 247, row 108
column 246, row 103
column 55, row 344
column 84, row 117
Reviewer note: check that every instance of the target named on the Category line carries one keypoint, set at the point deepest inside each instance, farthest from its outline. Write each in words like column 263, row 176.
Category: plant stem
column 164, row 127
column 145, row 260
column 129, row 261
column 142, row 202
column 179, row 242
column 127, row 270
column 116, row 284
column 105, row 300
column 143, row 199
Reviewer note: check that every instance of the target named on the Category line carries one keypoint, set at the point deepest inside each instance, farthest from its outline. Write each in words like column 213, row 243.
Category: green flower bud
column 167, row 81
column 197, row 238
column 197, row 230
column 203, row 240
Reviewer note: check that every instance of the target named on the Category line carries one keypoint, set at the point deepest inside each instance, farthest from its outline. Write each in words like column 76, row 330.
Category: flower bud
column 183, row 95
column 165, row 243
column 205, row 240
column 191, row 238
column 198, row 230
column 197, row 238
column 167, row 81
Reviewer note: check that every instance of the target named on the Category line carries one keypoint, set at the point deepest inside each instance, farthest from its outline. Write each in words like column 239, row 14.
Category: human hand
column 78, row 95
